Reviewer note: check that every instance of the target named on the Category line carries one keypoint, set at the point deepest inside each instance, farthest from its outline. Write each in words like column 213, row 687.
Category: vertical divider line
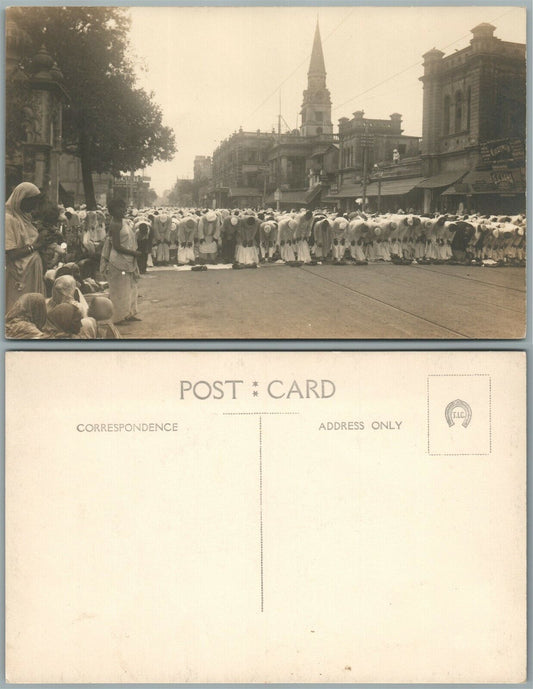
column 261, row 508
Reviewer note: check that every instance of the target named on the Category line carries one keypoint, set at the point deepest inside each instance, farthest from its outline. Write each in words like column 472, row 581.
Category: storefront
column 433, row 188
column 488, row 192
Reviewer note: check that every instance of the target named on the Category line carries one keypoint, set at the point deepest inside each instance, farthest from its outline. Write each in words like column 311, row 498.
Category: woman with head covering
column 26, row 318
column 101, row 309
column 24, row 268
column 63, row 323
column 65, row 291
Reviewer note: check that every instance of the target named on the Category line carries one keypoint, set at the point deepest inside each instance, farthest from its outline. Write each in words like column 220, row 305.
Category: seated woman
column 101, row 310
column 66, row 291
column 26, row 318
column 63, row 323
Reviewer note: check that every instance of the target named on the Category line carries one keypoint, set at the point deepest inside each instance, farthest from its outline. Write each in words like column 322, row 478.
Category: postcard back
column 265, row 517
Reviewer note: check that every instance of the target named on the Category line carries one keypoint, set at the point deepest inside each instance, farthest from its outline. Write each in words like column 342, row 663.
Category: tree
column 182, row 193
column 151, row 197
column 110, row 123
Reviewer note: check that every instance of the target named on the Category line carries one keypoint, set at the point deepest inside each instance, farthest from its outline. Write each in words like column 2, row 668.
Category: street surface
column 327, row 301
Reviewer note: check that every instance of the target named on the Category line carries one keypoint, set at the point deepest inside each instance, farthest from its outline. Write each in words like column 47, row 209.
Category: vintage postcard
column 328, row 172
column 266, row 517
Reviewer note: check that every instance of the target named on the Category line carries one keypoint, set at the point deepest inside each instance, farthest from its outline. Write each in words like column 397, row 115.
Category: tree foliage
column 17, row 96
column 186, row 192
column 181, row 193
column 113, row 125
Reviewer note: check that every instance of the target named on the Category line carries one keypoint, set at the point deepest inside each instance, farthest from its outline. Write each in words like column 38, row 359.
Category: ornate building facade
column 474, row 124
column 34, row 107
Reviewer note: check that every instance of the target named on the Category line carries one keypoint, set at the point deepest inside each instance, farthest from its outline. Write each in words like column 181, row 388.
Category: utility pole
column 378, row 172
column 132, row 179
column 277, row 193
column 366, row 141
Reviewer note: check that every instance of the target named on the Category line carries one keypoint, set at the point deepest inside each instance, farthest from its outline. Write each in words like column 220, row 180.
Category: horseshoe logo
column 458, row 410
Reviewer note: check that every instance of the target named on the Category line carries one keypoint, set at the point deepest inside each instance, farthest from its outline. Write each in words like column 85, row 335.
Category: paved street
column 374, row 301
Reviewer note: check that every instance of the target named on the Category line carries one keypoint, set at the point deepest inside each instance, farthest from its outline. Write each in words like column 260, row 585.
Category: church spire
column 317, row 66
column 316, row 106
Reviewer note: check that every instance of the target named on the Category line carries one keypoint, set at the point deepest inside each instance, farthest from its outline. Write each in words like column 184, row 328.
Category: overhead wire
column 416, row 64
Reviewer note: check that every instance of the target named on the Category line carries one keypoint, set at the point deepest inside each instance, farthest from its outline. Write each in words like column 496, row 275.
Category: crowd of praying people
column 74, row 273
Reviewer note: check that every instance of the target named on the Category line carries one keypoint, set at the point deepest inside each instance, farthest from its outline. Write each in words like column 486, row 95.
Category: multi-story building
column 202, row 175
column 203, row 167
column 471, row 154
column 240, row 165
column 366, row 144
column 474, row 123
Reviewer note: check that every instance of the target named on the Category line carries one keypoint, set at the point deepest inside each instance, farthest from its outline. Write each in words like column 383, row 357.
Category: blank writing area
column 142, row 554
column 377, row 561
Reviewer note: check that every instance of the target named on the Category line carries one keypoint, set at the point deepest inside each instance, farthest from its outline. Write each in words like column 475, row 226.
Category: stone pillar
column 432, row 109
column 43, row 126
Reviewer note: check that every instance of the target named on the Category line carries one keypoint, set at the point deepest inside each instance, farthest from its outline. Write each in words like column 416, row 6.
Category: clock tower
column 316, row 106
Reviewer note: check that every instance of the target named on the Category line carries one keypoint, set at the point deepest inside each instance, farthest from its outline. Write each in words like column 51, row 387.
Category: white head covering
column 25, row 190
column 23, row 220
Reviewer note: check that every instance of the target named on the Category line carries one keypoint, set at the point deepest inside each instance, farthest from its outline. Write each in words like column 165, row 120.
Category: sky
column 215, row 69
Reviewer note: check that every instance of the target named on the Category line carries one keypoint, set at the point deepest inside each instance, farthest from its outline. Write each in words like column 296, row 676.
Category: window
column 468, row 105
column 458, row 112
column 319, row 116
column 446, row 121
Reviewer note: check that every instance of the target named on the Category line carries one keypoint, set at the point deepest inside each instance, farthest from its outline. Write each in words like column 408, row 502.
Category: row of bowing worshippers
column 245, row 237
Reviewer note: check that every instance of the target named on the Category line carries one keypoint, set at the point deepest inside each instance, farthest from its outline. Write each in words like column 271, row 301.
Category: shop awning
column 490, row 182
column 348, row 191
column 235, row 192
column 293, row 197
column 392, row 187
column 442, row 180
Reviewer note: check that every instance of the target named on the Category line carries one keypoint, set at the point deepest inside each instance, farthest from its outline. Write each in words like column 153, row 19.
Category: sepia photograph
column 209, row 172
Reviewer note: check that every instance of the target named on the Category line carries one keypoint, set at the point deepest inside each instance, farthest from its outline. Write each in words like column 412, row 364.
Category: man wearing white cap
column 303, row 232
column 162, row 227
column 286, row 228
column 247, row 253
column 338, row 229
column 228, row 237
column 209, row 234
column 187, row 229
column 267, row 239
column 322, row 236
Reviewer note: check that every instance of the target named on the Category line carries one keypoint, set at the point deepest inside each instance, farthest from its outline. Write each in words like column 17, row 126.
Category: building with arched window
column 475, row 102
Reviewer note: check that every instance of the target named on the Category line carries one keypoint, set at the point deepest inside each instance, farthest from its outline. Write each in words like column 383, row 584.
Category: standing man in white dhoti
column 122, row 269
